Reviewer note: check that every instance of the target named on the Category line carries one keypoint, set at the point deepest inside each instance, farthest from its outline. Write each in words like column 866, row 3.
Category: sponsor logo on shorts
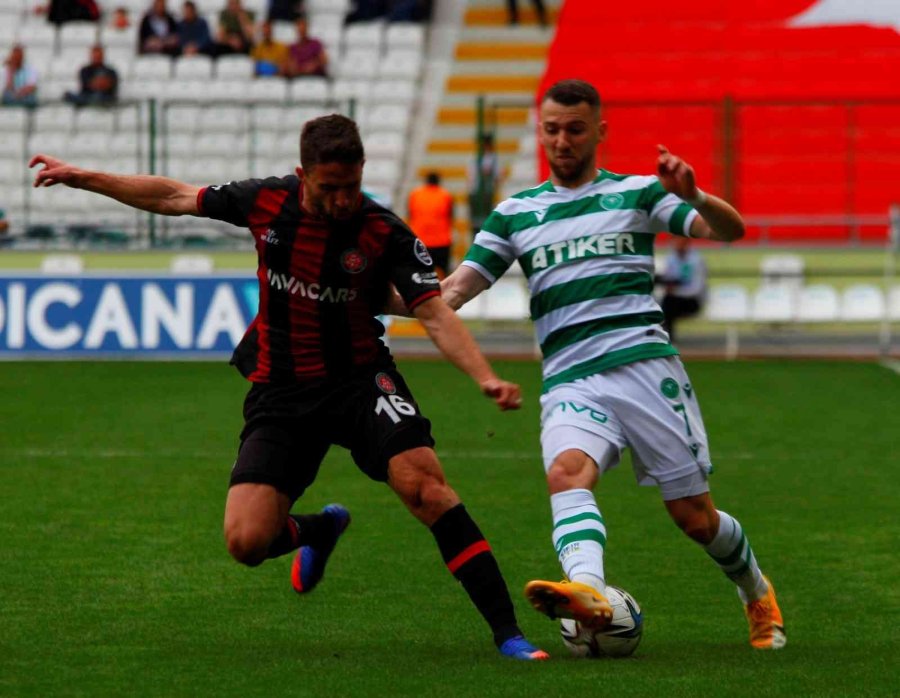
column 612, row 201
column 385, row 383
column 669, row 388
column 569, row 406
column 421, row 252
column 353, row 261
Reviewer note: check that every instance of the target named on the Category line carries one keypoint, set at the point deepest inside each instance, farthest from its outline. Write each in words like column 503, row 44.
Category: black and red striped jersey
column 321, row 282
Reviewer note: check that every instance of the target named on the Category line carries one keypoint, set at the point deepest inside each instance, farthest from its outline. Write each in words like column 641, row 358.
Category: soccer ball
column 618, row 639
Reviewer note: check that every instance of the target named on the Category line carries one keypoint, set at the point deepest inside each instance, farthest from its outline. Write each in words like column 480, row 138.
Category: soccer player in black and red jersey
column 320, row 373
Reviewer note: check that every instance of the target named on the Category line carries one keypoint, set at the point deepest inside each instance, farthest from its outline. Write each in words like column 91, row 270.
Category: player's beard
column 571, row 172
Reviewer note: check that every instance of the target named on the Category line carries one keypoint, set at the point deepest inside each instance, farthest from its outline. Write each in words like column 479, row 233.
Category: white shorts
column 649, row 406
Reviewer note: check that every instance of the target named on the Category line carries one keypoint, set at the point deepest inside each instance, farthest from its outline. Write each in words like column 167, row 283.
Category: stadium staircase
column 504, row 64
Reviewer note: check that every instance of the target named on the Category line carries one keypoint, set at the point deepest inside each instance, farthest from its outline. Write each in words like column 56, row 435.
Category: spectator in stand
column 307, row 56
column 62, row 11
column 99, row 82
column 284, row 10
column 539, row 10
column 4, row 228
column 159, row 31
column 119, row 20
column 193, row 32
column 271, row 56
column 684, row 277
column 483, row 181
column 20, row 80
column 431, row 219
column 236, row 28
column 408, row 10
column 366, row 11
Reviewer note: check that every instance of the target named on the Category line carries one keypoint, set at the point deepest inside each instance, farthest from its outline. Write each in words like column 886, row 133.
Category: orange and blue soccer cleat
column 766, row 625
column 309, row 563
column 573, row 600
column 519, row 648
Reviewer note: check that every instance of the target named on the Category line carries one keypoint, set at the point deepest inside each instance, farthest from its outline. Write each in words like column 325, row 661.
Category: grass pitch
column 115, row 580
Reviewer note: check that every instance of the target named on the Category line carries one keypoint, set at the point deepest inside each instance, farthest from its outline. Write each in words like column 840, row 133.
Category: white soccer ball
column 618, row 639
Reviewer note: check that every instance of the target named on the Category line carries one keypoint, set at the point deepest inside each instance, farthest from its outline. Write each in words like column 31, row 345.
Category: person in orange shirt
column 431, row 219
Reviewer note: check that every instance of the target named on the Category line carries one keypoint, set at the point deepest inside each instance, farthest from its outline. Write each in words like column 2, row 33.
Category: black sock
column 299, row 529
column 469, row 558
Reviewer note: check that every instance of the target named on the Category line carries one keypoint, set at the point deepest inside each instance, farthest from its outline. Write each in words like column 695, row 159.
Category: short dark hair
column 332, row 138
column 572, row 92
column 433, row 178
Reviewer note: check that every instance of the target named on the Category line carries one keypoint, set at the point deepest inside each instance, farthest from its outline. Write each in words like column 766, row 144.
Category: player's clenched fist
column 508, row 396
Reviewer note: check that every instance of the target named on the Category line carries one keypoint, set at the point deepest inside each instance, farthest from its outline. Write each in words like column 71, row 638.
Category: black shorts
column 289, row 428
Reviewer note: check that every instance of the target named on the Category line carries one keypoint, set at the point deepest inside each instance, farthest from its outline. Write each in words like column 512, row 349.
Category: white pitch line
column 891, row 365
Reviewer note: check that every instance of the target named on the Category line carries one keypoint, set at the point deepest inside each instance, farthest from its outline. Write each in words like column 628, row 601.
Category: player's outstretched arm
column 462, row 285
column 450, row 335
column 718, row 220
column 146, row 192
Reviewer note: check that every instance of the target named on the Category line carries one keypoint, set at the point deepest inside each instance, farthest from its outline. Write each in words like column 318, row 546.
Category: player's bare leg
column 418, row 479
column 723, row 538
column 579, row 535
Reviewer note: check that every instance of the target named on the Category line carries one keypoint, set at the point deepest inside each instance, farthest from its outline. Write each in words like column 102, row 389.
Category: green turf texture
column 114, row 580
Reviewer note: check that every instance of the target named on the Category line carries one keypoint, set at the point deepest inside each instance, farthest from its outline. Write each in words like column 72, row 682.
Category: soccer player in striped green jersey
column 611, row 377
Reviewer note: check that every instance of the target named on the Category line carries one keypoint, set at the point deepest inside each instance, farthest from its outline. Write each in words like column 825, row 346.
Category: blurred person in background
column 329, row 259
column 4, row 228
column 307, row 55
column 20, row 80
column 62, row 11
column 99, row 83
column 539, row 10
column 270, row 56
column 284, row 10
column 366, row 11
column 158, row 32
column 119, row 20
column 430, row 209
column 483, row 182
column 611, row 378
column 193, row 32
column 684, row 280
column 236, row 28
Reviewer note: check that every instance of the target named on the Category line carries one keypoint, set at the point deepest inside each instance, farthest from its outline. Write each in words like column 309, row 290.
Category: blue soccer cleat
column 519, row 648
column 309, row 563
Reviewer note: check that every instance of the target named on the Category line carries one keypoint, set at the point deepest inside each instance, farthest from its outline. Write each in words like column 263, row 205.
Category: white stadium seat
column 364, row 34
column 234, row 67
column 12, row 143
column 224, row 119
column 13, row 120
column 62, row 264
column 393, row 117
column 817, row 303
column 773, row 303
column 54, row 118
column 151, row 68
column 181, row 118
column 93, row 144
column 221, row 145
column 400, row 64
column 405, row 35
column 310, row 89
column 265, row 89
column 78, row 35
column 357, row 64
column 862, row 303
column 394, row 91
column 343, row 90
column 390, row 144
column 95, row 120
column 196, row 67
column 728, row 303
column 893, row 304
column 783, row 269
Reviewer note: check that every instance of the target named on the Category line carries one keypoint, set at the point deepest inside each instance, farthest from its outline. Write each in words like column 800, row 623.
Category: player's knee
column 247, row 545
column 569, row 476
column 431, row 498
column 698, row 527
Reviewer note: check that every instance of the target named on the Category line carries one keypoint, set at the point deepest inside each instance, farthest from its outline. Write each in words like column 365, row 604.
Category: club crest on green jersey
column 611, row 202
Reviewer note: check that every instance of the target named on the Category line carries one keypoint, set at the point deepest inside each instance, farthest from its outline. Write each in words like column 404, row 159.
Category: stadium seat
column 309, row 90
column 210, row 170
column 89, row 144
column 95, row 120
column 341, row 7
column 284, row 32
column 389, row 144
column 12, row 172
column 12, row 120
column 53, row 143
column 774, row 304
column 782, row 269
column 40, row 37
column 265, row 89
column 185, row 90
column 394, row 92
column 223, row 119
column 149, row 67
column 221, row 145
column 728, row 303
column 12, row 143
column 120, row 38
column 181, row 118
column 400, row 64
column 234, row 67
column 862, row 303
column 264, row 144
column 405, row 36
column 62, row 264
column 358, row 64
column 191, row 264
column 364, row 35
column 817, row 303
column 344, row 91
column 268, row 118
column 57, row 118
column 393, row 117
column 196, row 67
column 79, row 36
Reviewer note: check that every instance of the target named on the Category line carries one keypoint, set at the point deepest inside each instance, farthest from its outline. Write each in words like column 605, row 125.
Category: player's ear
column 601, row 131
column 299, row 172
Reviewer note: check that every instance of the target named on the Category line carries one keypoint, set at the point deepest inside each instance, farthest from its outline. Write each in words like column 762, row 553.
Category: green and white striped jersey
column 588, row 257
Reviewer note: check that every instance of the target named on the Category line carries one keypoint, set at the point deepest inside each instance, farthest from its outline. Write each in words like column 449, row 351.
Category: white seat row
column 731, row 303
